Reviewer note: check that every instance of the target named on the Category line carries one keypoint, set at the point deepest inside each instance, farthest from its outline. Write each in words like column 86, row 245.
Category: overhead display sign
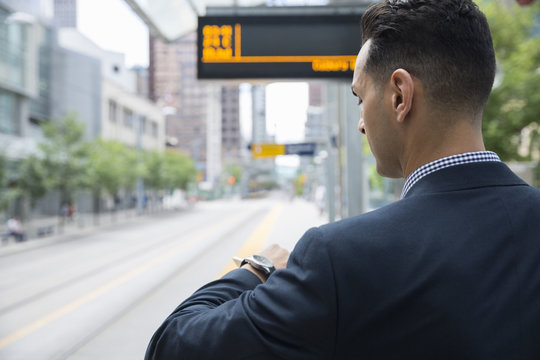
column 278, row 46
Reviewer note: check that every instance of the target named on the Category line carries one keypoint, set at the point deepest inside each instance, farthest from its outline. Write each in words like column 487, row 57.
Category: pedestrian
column 14, row 228
column 64, row 212
column 70, row 212
column 450, row 271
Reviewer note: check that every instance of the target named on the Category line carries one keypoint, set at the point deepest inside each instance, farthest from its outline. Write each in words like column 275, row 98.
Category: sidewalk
column 80, row 225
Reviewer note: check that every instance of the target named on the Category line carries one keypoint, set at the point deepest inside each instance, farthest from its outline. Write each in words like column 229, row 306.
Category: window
column 128, row 118
column 112, row 111
column 144, row 125
column 9, row 113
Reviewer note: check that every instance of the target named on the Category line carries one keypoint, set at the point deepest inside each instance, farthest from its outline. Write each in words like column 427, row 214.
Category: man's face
column 376, row 120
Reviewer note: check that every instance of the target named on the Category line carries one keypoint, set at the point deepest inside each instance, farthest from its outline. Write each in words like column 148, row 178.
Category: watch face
column 263, row 261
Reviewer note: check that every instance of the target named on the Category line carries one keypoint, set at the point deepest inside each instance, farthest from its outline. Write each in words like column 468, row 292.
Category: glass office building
column 12, row 74
column 25, row 62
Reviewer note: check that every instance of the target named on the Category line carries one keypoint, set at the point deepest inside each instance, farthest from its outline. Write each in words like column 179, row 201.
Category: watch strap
column 267, row 270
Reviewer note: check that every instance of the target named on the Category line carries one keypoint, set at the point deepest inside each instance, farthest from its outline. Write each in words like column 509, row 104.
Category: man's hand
column 274, row 253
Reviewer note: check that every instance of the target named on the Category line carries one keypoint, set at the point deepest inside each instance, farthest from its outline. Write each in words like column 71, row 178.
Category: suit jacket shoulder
column 444, row 273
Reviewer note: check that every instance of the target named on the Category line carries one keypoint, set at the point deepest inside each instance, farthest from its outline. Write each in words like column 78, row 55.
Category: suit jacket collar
column 466, row 176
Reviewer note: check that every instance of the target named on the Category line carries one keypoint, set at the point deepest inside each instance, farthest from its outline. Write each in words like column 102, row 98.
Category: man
column 14, row 228
column 451, row 271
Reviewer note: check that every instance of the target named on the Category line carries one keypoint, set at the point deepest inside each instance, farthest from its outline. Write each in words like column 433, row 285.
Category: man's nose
column 361, row 127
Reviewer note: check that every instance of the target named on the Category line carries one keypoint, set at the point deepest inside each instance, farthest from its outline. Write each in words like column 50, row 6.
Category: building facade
column 65, row 13
column 25, row 45
column 173, row 85
column 231, row 139
column 202, row 118
column 106, row 97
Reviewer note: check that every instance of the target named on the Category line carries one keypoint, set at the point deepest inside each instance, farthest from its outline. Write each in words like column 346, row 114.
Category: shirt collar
column 458, row 159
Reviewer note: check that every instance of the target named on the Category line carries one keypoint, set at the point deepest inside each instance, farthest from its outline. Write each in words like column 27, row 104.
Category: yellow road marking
column 107, row 287
column 257, row 238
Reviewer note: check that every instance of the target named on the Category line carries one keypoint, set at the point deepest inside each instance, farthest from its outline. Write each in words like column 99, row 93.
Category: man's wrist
column 259, row 273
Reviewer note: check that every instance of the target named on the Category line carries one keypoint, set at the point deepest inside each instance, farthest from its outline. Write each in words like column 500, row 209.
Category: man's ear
column 402, row 93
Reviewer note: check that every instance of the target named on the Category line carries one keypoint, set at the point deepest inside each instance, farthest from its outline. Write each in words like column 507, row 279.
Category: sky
column 112, row 25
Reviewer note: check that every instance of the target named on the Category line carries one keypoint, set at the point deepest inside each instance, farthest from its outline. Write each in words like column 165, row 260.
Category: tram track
column 159, row 285
column 115, row 262
column 85, row 305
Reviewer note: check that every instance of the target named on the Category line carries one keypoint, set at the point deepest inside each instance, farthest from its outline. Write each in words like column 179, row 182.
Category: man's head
column 431, row 61
column 444, row 43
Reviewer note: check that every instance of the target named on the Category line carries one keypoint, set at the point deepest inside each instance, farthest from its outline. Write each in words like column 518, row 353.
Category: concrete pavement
column 79, row 226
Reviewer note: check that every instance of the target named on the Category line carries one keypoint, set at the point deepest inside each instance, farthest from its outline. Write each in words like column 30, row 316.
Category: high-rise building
column 230, row 122
column 315, row 125
column 258, row 114
column 192, row 116
column 25, row 46
column 65, row 13
column 173, row 85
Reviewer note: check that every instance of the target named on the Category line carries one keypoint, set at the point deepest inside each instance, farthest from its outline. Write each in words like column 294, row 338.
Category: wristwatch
column 261, row 263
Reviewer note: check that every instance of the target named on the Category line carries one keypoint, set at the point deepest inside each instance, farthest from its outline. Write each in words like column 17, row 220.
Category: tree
column 514, row 103
column 179, row 170
column 5, row 192
column 111, row 167
column 154, row 170
column 64, row 156
column 31, row 178
column 168, row 170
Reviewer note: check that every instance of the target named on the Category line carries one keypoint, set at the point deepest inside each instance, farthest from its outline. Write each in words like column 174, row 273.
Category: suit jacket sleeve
column 291, row 316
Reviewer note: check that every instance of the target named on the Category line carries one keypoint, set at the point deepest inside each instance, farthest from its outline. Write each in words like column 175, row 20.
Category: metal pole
column 330, row 118
column 140, row 182
column 356, row 180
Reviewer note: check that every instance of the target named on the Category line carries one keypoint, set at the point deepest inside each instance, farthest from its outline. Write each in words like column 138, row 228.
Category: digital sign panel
column 278, row 46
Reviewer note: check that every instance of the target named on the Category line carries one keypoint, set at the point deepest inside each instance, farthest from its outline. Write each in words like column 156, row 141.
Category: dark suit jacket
column 452, row 271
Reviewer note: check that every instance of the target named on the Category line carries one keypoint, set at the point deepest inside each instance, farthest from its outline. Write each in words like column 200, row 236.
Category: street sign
column 278, row 46
column 266, row 150
column 302, row 149
column 272, row 150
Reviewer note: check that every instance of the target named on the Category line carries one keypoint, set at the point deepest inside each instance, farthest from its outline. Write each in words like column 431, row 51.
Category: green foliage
column 26, row 180
column 515, row 100
column 153, row 170
column 32, row 178
column 67, row 163
column 4, row 190
column 168, row 170
column 179, row 170
column 64, row 156
column 111, row 166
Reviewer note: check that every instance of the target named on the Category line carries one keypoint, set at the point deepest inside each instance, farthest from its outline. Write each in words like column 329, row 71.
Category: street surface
column 101, row 295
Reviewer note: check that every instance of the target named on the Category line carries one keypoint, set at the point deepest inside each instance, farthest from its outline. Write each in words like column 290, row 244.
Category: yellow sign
column 222, row 44
column 267, row 150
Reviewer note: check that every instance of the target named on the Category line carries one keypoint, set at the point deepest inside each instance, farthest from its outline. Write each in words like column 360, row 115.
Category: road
column 102, row 295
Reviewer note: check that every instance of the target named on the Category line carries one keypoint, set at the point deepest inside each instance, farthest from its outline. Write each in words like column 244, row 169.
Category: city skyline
column 287, row 105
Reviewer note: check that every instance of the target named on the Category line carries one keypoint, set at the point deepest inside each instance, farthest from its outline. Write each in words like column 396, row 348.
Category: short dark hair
column 445, row 43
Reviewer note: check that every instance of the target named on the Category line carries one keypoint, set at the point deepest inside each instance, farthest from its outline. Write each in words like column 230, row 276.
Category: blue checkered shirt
column 466, row 158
